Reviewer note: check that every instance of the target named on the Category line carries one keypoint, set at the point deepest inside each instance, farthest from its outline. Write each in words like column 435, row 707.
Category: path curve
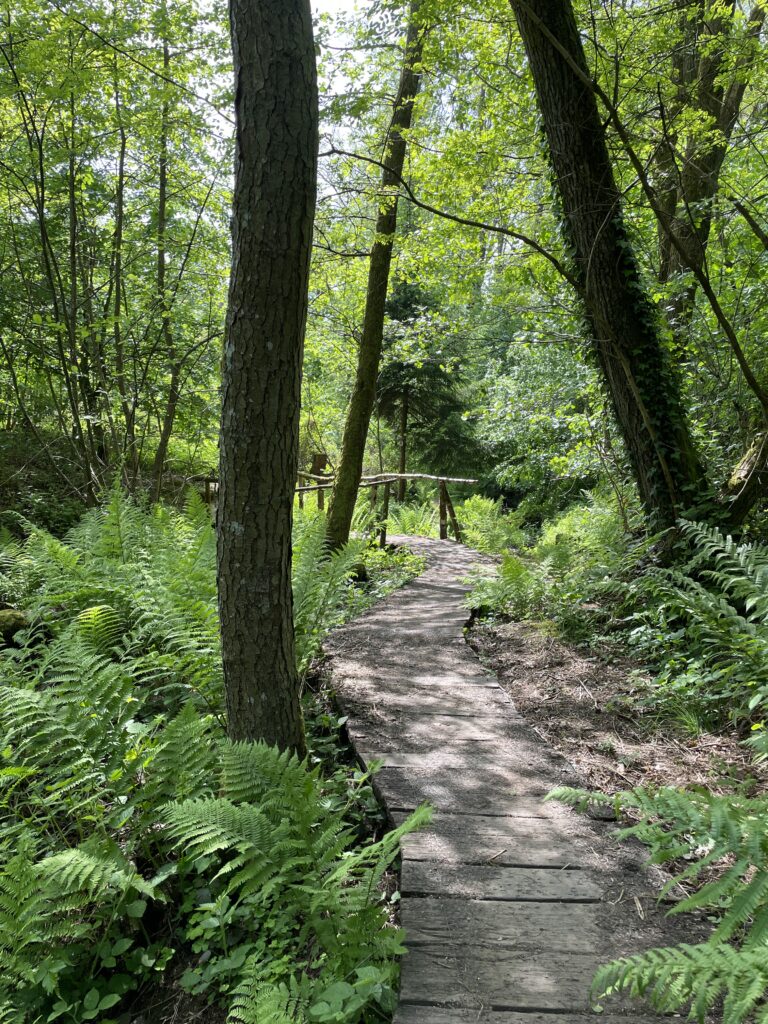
column 509, row 903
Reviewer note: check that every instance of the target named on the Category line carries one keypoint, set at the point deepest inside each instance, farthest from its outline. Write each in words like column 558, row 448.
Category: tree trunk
column 642, row 385
column 364, row 394
column 274, row 202
column 401, row 484
column 692, row 188
column 166, row 331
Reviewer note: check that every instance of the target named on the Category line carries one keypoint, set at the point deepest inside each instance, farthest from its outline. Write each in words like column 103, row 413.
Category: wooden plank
column 499, row 979
column 401, row 671
column 388, row 631
column 496, row 882
column 501, row 791
column 437, row 700
column 478, row 839
column 404, row 732
column 412, row 1013
column 525, row 768
column 551, row 927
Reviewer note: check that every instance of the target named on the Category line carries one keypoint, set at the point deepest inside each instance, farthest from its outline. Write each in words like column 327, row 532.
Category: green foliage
column 704, row 625
column 487, row 527
column 320, row 584
column 413, row 520
column 721, row 834
column 576, row 560
column 131, row 834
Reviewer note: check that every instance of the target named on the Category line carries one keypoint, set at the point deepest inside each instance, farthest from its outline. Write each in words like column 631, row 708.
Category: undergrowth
column 134, row 837
column 569, row 570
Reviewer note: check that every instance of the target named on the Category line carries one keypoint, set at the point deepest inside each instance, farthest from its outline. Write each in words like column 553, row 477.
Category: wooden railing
column 322, row 482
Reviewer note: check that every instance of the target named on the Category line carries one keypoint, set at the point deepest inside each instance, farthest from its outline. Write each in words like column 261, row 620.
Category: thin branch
column 465, row 221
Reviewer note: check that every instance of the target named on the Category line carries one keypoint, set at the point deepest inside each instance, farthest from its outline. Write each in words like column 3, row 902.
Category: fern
column 711, row 832
column 257, row 1003
column 709, row 617
column 413, row 520
column 118, row 795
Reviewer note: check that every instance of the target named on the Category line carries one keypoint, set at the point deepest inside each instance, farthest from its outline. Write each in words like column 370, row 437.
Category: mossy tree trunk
column 628, row 346
column 274, row 202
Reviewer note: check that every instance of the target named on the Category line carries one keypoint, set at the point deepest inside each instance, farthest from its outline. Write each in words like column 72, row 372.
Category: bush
column 486, row 527
column 576, row 562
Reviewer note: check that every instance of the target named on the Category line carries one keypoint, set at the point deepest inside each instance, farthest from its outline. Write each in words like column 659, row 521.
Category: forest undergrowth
column 138, row 844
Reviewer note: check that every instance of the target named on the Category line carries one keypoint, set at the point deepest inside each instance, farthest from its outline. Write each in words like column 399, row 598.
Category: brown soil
column 586, row 706
column 170, row 1004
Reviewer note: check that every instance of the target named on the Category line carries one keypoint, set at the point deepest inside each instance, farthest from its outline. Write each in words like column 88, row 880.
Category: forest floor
column 589, row 706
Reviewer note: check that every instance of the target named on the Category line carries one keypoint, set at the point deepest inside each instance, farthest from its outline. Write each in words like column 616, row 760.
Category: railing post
column 452, row 514
column 443, row 511
column 319, row 462
column 384, row 516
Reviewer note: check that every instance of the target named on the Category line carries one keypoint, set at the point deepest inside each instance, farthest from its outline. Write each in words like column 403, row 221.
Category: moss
column 11, row 622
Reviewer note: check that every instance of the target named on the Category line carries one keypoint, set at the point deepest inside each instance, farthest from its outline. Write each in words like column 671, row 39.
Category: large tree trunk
column 166, row 331
column 274, row 202
column 637, row 371
column 364, row 394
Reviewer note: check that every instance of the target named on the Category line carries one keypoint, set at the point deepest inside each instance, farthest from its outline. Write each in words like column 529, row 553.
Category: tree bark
column 166, row 331
column 692, row 188
column 640, row 380
column 403, row 444
column 364, row 393
column 274, row 202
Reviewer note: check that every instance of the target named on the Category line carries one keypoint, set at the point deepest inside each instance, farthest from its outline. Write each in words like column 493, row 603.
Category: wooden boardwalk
column 508, row 903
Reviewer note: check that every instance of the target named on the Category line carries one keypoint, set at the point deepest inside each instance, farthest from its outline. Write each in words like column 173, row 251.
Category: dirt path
column 509, row 903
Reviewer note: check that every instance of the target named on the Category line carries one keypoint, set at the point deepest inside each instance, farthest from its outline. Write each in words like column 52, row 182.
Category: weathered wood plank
column 411, row 1013
column 550, row 927
column 496, row 882
column 500, row 792
column 500, row 979
column 482, row 765
column 437, row 700
column 391, row 731
column 479, row 839
column 402, row 673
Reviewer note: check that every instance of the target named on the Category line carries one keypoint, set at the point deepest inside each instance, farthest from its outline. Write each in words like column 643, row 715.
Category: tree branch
column 465, row 221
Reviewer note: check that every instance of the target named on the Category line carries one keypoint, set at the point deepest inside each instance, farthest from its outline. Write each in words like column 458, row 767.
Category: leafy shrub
column 413, row 520
column 709, row 832
column 486, row 527
column 131, row 832
column 576, row 561
column 517, row 589
column 705, row 626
